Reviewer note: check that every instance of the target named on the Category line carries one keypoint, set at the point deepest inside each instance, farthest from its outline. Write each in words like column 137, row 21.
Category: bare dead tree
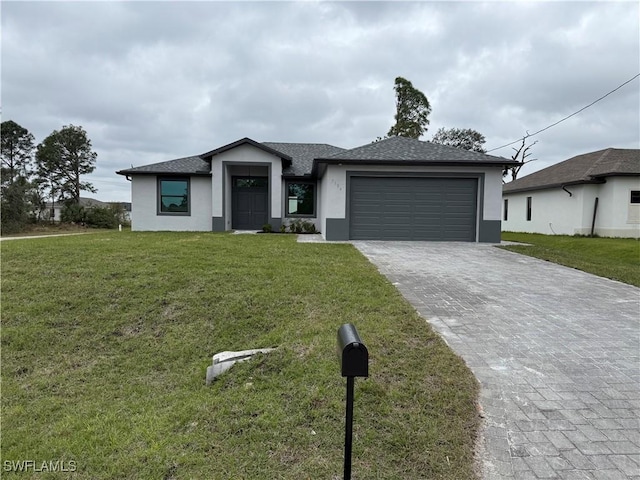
column 522, row 155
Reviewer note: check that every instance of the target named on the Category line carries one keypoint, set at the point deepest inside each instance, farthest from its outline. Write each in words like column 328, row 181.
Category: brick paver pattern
column 556, row 352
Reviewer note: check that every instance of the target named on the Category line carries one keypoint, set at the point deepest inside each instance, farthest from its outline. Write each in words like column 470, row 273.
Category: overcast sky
column 153, row 81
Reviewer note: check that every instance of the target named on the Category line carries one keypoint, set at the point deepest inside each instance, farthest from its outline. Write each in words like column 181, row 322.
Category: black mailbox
column 353, row 354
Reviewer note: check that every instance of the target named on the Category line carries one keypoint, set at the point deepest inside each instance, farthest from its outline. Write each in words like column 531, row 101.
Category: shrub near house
column 92, row 213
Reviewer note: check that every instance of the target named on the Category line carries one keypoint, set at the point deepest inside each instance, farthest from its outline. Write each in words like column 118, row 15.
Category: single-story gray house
column 593, row 193
column 395, row 189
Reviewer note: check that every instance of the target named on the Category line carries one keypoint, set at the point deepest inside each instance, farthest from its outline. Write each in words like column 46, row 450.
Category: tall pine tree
column 62, row 158
column 16, row 151
column 412, row 111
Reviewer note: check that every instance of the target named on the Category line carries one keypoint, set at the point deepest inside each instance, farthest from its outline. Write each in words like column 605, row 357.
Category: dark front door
column 250, row 197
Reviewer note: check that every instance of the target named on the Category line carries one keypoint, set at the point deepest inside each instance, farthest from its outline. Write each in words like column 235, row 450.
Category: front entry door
column 249, row 202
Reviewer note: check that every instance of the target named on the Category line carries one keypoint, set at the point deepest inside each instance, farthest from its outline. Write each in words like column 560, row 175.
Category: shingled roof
column 301, row 159
column 302, row 155
column 183, row 166
column 590, row 167
column 298, row 159
column 402, row 149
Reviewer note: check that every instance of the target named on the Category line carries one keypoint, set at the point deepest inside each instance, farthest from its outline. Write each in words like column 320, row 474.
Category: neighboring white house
column 397, row 188
column 594, row 193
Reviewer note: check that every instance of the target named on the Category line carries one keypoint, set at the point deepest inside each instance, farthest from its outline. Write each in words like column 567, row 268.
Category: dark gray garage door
column 384, row 208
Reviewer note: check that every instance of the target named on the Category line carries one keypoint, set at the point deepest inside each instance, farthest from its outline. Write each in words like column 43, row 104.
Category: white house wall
column 616, row 216
column 492, row 194
column 331, row 188
column 552, row 211
column 217, row 193
column 144, row 206
column 555, row 212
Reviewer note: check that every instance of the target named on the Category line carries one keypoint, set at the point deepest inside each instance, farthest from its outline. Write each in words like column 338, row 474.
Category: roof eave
column 304, row 176
column 554, row 185
column 616, row 174
column 128, row 173
column 434, row 163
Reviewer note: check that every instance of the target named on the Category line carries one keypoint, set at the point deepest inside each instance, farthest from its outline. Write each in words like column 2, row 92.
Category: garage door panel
column 396, row 208
column 397, row 196
column 426, row 220
column 429, row 232
column 412, row 208
column 458, row 210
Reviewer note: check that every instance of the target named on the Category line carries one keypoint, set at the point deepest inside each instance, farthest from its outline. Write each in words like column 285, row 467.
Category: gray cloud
column 151, row 81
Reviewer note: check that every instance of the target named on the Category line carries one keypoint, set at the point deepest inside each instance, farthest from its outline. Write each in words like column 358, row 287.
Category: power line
column 567, row 117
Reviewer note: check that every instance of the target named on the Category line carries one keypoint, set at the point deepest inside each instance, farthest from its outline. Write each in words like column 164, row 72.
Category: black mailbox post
column 354, row 362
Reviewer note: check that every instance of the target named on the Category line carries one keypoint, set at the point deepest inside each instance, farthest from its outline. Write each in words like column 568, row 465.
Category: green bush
column 267, row 228
column 102, row 218
column 309, row 227
column 302, row 226
column 295, row 227
column 98, row 217
column 119, row 213
column 14, row 211
column 73, row 213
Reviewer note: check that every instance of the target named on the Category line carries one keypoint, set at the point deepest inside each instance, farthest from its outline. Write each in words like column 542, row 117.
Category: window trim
column 159, row 196
column 505, row 214
column 529, row 202
column 315, row 199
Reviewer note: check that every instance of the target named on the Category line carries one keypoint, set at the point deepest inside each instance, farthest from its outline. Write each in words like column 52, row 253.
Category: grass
column 106, row 339
column 614, row 258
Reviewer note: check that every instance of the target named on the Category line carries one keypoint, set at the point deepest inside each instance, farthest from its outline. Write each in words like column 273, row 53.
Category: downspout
column 593, row 222
column 565, row 189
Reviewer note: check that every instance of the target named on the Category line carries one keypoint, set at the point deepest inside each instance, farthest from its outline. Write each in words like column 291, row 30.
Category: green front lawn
column 106, row 339
column 615, row 258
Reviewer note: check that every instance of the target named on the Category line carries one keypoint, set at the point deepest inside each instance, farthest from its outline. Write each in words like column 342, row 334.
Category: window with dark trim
column 528, row 209
column 635, row 196
column 301, row 199
column 173, row 196
column 506, row 210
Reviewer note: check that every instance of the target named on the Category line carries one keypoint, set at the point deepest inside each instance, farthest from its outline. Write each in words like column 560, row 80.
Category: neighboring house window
column 528, row 209
column 173, row 196
column 301, row 199
column 635, row 196
column 506, row 209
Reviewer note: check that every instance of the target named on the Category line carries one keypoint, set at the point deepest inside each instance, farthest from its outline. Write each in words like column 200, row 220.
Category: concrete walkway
column 556, row 351
column 28, row 237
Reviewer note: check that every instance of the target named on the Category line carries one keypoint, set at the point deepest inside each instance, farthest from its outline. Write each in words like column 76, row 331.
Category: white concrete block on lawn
column 223, row 361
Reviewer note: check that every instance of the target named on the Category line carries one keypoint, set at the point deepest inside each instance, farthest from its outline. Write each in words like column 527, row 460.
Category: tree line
column 35, row 177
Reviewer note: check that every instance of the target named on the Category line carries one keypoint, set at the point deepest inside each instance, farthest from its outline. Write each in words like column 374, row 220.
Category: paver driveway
column 556, row 351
